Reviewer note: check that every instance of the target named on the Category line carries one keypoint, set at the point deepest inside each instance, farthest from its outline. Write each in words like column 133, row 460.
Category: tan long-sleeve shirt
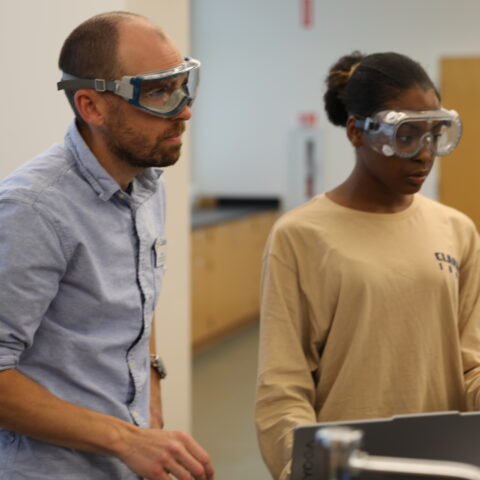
column 366, row 315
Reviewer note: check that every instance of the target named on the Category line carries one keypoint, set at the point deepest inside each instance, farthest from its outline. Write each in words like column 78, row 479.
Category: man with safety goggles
column 406, row 133
column 79, row 374
column 164, row 93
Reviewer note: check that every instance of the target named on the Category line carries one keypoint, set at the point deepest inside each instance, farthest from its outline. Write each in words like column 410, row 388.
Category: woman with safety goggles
column 371, row 291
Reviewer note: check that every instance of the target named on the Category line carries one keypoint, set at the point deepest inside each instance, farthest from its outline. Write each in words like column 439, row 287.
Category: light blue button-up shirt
column 81, row 264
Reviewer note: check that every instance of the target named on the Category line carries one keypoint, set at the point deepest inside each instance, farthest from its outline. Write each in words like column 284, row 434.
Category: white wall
column 33, row 115
column 261, row 69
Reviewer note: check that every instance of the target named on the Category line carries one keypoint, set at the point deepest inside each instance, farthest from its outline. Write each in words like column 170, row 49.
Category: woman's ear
column 354, row 134
column 91, row 106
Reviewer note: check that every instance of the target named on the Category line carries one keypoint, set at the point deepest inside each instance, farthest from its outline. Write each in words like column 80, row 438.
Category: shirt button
column 121, row 195
column 132, row 363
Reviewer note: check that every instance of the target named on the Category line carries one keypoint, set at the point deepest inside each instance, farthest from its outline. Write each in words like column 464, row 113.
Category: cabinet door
column 226, row 267
column 460, row 171
column 203, row 316
column 213, row 283
column 226, row 251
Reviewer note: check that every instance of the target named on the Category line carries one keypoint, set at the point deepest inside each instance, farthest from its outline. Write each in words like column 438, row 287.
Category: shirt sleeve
column 469, row 319
column 32, row 262
column 285, row 395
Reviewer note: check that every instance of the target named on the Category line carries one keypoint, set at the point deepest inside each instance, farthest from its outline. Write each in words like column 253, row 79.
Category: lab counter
column 227, row 246
column 226, row 211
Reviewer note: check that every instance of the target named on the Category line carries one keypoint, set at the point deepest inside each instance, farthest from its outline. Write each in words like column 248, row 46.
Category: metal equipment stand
column 342, row 459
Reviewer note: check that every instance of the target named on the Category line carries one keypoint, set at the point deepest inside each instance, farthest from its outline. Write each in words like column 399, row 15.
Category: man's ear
column 354, row 134
column 91, row 106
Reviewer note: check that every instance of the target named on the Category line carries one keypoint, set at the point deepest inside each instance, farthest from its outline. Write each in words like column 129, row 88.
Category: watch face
column 157, row 364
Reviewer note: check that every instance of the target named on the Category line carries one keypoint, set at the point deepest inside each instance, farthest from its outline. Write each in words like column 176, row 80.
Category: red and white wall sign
column 306, row 13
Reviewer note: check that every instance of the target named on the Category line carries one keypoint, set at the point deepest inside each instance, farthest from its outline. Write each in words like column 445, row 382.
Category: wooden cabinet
column 226, row 267
column 460, row 171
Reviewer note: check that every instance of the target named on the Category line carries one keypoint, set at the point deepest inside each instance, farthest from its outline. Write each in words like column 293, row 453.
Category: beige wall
column 33, row 115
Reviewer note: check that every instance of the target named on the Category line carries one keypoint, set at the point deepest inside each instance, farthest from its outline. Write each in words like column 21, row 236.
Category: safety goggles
column 405, row 133
column 164, row 93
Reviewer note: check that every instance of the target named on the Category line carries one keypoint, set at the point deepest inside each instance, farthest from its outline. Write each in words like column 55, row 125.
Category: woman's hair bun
column 337, row 79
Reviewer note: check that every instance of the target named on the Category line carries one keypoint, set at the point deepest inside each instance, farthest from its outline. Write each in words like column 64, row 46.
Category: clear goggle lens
column 412, row 137
column 167, row 96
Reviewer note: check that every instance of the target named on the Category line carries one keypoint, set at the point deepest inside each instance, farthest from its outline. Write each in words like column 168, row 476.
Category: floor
column 223, row 406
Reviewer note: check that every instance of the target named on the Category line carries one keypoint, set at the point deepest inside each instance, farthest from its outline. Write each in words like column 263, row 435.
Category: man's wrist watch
column 157, row 364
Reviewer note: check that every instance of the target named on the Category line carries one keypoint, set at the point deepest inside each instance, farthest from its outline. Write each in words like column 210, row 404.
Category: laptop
column 451, row 436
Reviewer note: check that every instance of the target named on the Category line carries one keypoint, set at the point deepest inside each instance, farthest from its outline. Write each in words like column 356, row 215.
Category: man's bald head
column 91, row 49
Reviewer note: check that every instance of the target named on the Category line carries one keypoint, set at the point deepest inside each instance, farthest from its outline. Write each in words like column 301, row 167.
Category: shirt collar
column 98, row 178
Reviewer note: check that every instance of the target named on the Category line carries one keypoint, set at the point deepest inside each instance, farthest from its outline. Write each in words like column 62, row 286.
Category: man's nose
column 184, row 115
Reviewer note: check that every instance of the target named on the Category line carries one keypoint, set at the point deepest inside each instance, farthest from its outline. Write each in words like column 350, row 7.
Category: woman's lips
column 417, row 178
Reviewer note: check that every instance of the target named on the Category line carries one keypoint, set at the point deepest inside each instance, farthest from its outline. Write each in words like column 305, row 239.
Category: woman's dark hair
column 363, row 84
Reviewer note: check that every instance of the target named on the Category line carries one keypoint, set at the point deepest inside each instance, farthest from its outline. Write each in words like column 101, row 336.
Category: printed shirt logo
column 447, row 263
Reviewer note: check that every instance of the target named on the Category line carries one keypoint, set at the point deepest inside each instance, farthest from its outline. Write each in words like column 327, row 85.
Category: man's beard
column 133, row 147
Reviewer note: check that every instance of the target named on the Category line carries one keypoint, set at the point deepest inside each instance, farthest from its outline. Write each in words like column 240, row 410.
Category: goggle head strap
column 70, row 82
column 366, row 123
